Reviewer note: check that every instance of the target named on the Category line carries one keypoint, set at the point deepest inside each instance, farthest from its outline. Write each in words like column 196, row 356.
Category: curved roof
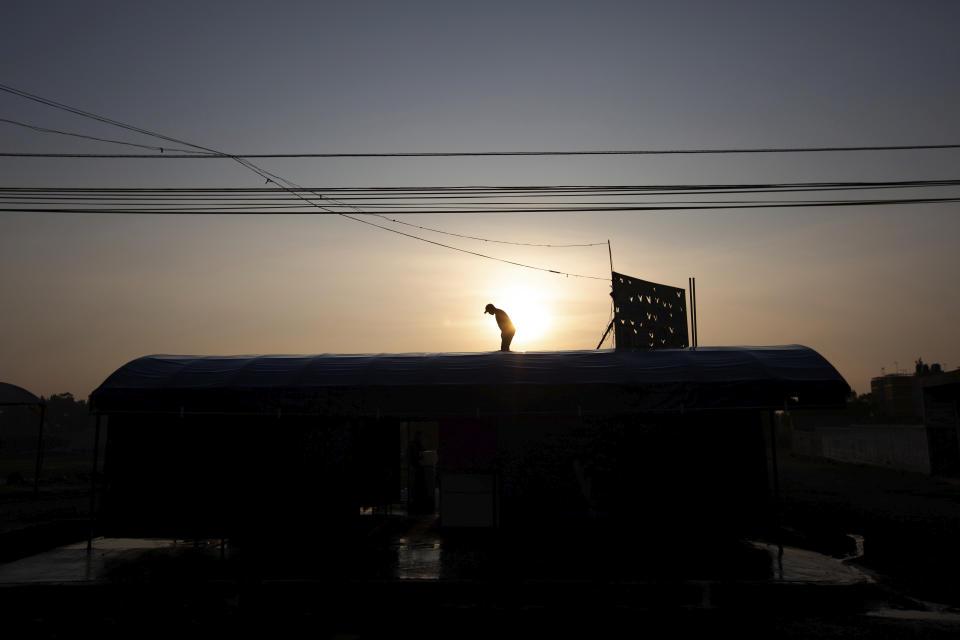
column 12, row 394
column 662, row 380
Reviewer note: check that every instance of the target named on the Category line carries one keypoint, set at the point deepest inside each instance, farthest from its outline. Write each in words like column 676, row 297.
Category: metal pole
column 613, row 303
column 778, row 507
column 693, row 288
column 773, row 457
column 693, row 311
column 609, row 326
column 93, row 483
column 690, row 306
column 36, row 471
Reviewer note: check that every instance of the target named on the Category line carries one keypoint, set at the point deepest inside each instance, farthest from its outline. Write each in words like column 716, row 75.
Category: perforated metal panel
column 648, row 315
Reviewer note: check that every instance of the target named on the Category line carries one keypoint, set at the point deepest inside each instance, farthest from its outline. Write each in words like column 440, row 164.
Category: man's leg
column 505, row 340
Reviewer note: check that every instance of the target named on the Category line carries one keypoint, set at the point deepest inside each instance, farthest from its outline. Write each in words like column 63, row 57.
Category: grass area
column 63, row 498
column 59, row 468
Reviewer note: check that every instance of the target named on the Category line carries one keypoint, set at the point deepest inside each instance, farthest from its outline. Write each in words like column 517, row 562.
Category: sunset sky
column 867, row 286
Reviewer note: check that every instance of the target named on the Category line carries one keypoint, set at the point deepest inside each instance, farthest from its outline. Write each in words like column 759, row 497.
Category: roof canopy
column 12, row 394
column 603, row 381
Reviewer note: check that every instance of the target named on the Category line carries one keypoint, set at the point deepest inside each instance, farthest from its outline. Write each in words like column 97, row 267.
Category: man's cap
column 489, row 309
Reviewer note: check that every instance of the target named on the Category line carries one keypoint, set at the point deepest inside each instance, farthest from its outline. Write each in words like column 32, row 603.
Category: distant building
column 896, row 395
column 899, row 395
column 941, row 417
column 913, row 425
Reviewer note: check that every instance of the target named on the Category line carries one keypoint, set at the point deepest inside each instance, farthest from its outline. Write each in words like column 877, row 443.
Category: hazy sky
column 867, row 287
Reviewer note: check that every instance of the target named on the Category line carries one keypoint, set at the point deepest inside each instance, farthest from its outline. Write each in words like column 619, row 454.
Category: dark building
column 660, row 441
column 896, row 395
column 941, row 411
column 911, row 425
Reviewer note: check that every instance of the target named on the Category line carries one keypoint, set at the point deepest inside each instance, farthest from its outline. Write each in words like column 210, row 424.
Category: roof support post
column 775, row 468
column 37, row 468
column 773, row 457
column 93, row 484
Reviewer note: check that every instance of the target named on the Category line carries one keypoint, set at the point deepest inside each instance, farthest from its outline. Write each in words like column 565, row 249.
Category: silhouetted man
column 506, row 327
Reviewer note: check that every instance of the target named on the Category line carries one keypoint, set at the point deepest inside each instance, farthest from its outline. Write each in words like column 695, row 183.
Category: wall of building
column 897, row 446
column 896, row 396
column 941, row 394
column 656, row 476
column 913, row 424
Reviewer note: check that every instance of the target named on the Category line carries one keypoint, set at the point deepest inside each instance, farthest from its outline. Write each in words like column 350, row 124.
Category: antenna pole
column 613, row 308
column 692, row 304
column 693, row 288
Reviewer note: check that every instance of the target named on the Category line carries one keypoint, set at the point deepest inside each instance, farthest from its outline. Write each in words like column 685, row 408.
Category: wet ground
column 861, row 553
column 437, row 584
column 418, row 554
column 908, row 524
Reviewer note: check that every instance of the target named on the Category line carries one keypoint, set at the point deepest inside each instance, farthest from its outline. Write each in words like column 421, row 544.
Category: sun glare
column 531, row 315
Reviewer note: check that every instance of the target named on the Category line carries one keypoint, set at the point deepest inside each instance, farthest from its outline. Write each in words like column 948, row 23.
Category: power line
column 439, row 244
column 270, row 177
column 462, row 154
column 93, row 204
column 499, row 191
column 522, row 244
column 258, row 210
column 390, row 200
column 518, row 264
column 458, row 200
column 213, row 154
column 455, row 248
column 87, row 137
column 104, row 119
column 298, row 191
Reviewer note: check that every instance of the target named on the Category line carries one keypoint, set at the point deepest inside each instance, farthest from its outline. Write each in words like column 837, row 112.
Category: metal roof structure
column 490, row 383
column 11, row 394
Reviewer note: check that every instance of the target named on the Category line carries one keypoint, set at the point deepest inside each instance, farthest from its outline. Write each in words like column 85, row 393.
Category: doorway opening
column 419, row 445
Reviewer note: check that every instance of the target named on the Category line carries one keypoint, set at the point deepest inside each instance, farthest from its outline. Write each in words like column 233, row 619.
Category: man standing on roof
column 506, row 327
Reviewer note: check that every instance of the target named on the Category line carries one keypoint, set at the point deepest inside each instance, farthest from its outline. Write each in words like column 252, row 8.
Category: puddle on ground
column 419, row 562
column 791, row 564
column 414, row 561
column 73, row 563
column 935, row 615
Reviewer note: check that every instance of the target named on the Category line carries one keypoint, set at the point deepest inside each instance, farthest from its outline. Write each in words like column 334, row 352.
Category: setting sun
column 532, row 315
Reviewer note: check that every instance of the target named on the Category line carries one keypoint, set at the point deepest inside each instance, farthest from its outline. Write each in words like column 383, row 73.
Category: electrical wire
column 378, row 201
column 257, row 210
column 493, row 191
column 269, row 177
column 474, row 195
column 87, row 137
column 299, row 191
column 522, row 244
column 462, row 154
column 214, row 154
